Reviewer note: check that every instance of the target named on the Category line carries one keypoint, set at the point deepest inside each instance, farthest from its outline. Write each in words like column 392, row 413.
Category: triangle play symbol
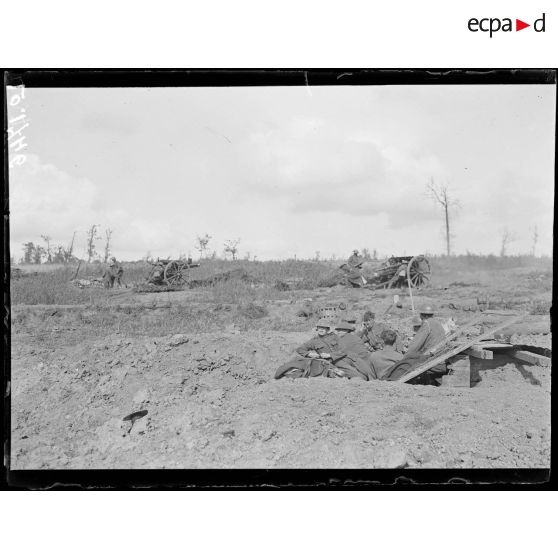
column 519, row 25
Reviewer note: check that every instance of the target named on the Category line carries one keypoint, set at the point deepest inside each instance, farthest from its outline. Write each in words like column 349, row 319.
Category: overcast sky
column 288, row 170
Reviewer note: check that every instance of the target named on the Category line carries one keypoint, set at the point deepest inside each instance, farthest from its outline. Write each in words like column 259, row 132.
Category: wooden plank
column 459, row 330
column 478, row 351
column 455, row 351
column 531, row 358
column 491, row 346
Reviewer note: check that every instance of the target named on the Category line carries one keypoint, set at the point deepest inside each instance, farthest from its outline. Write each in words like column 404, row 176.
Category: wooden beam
column 492, row 346
column 457, row 332
column 478, row 351
column 531, row 358
column 455, row 351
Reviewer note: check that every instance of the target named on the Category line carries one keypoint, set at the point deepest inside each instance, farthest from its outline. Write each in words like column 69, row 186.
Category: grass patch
column 52, row 287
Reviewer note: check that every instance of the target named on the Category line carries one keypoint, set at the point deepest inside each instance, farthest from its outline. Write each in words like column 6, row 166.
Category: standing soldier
column 113, row 274
column 355, row 260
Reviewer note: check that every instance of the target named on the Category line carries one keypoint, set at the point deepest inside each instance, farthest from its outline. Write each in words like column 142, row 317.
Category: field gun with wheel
column 400, row 271
column 396, row 271
column 172, row 273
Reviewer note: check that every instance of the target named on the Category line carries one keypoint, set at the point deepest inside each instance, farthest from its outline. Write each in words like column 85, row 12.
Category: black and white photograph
column 312, row 270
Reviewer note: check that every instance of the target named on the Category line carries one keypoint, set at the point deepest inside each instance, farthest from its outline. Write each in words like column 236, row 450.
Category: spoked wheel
column 419, row 271
column 176, row 273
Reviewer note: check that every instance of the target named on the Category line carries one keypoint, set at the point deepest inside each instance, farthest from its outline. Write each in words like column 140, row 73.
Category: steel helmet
column 416, row 321
column 323, row 322
column 427, row 310
column 350, row 318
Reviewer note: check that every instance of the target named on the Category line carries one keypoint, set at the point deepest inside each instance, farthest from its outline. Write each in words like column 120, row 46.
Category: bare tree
column 202, row 244
column 48, row 252
column 69, row 252
column 317, row 256
column 92, row 237
column 507, row 239
column 28, row 251
column 442, row 196
column 365, row 253
column 535, row 240
column 108, row 237
column 231, row 247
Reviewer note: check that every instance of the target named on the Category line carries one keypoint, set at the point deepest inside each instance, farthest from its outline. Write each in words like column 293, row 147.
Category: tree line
column 47, row 253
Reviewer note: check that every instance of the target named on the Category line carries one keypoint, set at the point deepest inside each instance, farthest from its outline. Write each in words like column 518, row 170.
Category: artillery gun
column 172, row 273
column 399, row 271
column 396, row 271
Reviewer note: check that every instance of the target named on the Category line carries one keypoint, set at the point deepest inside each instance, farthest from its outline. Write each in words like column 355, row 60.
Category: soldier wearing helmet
column 371, row 333
column 355, row 260
column 426, row 311
column 113, row 274
column 324, row 346
column 370, row 338
column 356, row 364
column 430, row 333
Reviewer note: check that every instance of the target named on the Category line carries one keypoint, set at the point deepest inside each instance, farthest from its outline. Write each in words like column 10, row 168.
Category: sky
column 290, row 171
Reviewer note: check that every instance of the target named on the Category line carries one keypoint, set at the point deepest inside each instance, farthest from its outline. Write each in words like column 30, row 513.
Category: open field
column 201, row 362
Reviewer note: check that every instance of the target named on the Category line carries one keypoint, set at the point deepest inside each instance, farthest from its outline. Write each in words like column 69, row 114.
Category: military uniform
column 373, row 341
column 328, row 343
column 356, row 363
column 355, row 261
column 113, row 274
column 428, row 336
column 381, row 360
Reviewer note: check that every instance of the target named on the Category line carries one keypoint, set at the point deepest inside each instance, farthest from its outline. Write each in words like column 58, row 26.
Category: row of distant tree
column 48, row 253
column 36, row 253
column 230, row 248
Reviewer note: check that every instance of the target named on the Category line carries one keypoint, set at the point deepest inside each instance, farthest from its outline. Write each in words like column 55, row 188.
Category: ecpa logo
column 494, row 24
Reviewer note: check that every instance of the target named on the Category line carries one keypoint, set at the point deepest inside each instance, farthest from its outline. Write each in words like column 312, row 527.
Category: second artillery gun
column 172, row 273
column 396, row 271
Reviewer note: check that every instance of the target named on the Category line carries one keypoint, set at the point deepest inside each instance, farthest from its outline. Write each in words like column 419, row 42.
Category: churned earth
column 211, row 400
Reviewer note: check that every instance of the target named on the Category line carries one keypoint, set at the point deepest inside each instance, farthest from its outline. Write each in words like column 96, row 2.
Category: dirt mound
column 211, row 402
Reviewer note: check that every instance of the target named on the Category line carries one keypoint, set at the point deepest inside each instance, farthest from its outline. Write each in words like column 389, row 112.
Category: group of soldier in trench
column 343, row 350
